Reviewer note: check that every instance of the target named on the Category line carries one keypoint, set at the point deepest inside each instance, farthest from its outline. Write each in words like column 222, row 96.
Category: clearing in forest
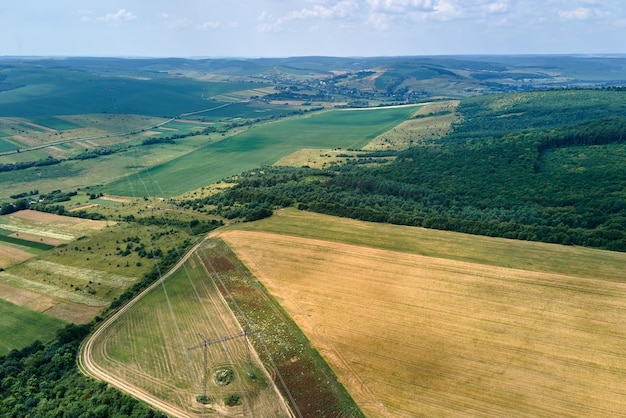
column 437, row 328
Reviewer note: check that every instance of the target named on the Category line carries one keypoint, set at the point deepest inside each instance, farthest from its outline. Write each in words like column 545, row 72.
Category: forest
column 539, row 166
column 43, row 380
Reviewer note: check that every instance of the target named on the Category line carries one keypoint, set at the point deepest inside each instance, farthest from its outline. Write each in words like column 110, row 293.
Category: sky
column 286, row 28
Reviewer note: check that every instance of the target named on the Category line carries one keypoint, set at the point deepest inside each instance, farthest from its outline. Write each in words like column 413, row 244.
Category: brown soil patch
column 23, row 297
column 74, row 312
column 11, row 255
column 67, row 311
column 116, row 199
column 38, row 238
column 33, row 215
column 93, row 205
column 410, row 335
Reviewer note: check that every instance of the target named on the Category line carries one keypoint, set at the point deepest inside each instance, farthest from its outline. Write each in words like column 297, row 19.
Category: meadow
column 24, row 326
column 259, row 146
column 417, row 322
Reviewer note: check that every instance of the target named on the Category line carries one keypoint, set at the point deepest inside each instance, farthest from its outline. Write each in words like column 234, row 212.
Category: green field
column 58, row 91
column 6, row 145
column 24, row 326
column 74, row 174
column 248, row 111
column 55, row 123
column 259, row 146
column 151, row 346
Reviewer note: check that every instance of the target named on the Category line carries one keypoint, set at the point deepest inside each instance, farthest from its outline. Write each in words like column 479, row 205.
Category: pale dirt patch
column 29, row 142
column 67, row 311
column 76, row 209
column 73, row 312
column 316, row 158
column 352, row 109
column 115, row 199
column 34, row 215
column 22, row 297
column 38, row 238
column 411, row 335
column 149, row 133
column 10, row 255
column 54, row 226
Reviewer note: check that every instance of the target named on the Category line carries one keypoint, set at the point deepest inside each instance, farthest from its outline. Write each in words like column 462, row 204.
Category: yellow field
column 459, row 334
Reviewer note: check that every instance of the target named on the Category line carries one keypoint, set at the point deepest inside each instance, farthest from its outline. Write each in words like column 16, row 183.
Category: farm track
column 90, row 368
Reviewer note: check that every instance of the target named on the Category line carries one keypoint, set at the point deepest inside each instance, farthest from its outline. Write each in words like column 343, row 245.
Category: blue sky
column 280, row 28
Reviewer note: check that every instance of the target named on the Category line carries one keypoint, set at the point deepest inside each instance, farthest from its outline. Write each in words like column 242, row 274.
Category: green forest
column 43, row 380
column 541, row 166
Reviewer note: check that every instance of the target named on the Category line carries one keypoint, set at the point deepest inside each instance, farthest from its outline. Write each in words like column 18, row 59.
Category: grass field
column 428, row 323
column 55, row 123
column 24, row 326
column 156, row 346
column 261, row 145
column 6, row 145
column 77, row 278
column 429, row 123
column 75, row 174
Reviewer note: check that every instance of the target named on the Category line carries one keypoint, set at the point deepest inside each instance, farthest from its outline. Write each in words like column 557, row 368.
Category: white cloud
column 401, row 6
column 209, row 25
column 581, row 13
column 339, row 10
column 320, row 10
column 118, row 17
column 498, row 7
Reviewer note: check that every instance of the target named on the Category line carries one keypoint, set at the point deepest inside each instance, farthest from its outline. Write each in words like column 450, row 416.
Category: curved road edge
column 88, row 367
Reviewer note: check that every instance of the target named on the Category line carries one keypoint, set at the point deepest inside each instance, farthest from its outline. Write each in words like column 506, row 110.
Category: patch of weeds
column 224, row 377
column 233, row 400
